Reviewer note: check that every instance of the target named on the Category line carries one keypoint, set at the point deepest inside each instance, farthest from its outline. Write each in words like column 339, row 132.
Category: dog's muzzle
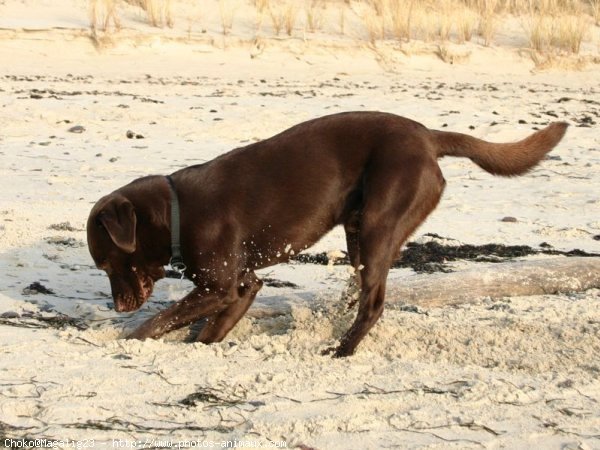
column 130, row 295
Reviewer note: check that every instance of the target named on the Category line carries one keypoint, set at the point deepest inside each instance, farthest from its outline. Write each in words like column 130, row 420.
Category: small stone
column 77, row 129
column 596, row 237
column 10, row 315
column 509, row 219
column 130, row 134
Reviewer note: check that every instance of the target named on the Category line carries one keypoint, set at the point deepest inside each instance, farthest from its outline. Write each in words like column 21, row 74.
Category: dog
column 374, row 173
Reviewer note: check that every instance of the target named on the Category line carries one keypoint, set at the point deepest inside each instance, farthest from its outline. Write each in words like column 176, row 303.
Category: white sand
column 520, row 373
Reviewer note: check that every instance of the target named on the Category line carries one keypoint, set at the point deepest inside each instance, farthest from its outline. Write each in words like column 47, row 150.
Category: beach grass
column 550, row 27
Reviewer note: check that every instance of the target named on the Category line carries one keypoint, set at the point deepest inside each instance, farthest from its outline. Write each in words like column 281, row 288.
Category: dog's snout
column 127, row 303
column 130, row 293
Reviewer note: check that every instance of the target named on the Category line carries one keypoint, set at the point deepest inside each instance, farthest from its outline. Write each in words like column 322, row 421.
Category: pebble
column 509, row 219
column 132, row 135
column 77, row 129
column 10, row 315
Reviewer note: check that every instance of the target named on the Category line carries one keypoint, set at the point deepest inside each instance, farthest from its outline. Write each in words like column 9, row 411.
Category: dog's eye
column 99, row 223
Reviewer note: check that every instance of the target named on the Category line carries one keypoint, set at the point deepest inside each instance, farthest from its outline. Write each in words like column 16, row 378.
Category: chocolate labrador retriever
column 374, row 173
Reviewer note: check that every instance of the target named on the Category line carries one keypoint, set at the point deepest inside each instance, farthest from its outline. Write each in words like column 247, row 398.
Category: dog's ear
column 119, row 219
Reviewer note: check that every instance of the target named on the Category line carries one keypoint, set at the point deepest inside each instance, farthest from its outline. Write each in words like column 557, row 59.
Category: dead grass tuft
column 466, row 24
column 227, row 10
column 562, row 34
column 314, row 14
column 283, row 16
column 102, row 14
column 400, row 13
column 488, row 19
column 595, row 10
column 375, row 25
column 158, row 12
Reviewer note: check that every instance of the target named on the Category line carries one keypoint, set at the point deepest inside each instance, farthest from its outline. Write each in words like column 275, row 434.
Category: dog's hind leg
column 352, row 227
column 217, row 326
column 398, row 197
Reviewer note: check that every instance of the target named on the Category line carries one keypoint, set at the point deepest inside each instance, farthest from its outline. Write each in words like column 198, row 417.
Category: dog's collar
column 176, row 261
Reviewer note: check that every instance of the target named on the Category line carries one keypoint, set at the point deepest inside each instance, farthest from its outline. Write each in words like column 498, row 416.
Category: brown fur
column 374, row 173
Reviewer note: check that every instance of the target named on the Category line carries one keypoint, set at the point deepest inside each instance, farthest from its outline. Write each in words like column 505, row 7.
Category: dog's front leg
column 197, row 305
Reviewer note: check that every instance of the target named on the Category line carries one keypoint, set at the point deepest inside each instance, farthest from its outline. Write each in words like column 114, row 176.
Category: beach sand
column 519, row 372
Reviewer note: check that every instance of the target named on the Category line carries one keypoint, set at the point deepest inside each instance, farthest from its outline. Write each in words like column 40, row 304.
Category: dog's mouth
column 131, row 296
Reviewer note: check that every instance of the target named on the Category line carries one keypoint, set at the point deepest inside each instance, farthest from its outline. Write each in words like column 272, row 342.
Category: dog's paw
column 336, row 352
column 136, row 334
column 328, row 351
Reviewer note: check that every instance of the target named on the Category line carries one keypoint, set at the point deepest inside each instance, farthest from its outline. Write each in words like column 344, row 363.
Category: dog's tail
column 502, row 159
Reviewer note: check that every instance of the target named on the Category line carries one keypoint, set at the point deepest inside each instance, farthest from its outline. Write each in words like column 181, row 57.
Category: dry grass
column 275, row 13
column 595, row 10
column 342, row 19
column 488, row 19
column 400, row 12
column 466, row 24
column 375, row 25
column 158, row 12
column 314, row 14
column 562, row 34
column 570, row 32
column 102, row 14
column 428, row 20
column 227, row 10
column 283, row 16
column 105, row 12
column 552, row 26
column 520, row 7
column 379, row 6
column 261, row 5
column 290, row 14
column 444, row 19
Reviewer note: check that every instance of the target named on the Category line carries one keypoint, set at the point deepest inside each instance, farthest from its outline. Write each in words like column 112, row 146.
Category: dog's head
column 113, row 235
